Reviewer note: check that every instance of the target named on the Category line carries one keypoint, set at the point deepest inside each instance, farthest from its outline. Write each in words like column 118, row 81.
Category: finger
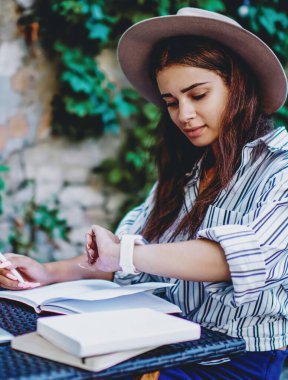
column 90, row 234
column 92, row 246
column 96, row 229
column 90, row 231
column 7, row 283
column 116, row 239
column 19, row 261
column 22, row 285
column 89, row 238
column 92, row 256
column 28, row 285
column 91, row 241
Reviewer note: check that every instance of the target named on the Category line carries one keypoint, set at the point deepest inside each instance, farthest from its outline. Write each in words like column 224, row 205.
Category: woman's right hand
column 34, row 273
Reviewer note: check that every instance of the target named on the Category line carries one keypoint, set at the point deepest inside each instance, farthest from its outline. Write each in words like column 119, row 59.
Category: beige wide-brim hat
column 136, row 45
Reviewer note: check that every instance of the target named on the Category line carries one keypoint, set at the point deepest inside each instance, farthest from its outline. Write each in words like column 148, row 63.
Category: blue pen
column 13, row 271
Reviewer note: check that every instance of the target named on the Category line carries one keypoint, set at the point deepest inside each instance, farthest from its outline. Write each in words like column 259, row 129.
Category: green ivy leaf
column 109, row 116
column 163, row 8
column 96, row 12
column 270, row 19
column 213, row 5
column 151, row 111
column 77, row 83
column 98, row 31
column 124, row 108
column 115, row 176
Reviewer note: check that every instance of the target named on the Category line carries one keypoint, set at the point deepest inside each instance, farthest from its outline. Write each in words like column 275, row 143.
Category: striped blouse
column 249, row 219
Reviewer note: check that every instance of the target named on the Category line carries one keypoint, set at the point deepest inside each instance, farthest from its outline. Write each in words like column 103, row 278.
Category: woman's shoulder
column 275, row 140
column 277, row 147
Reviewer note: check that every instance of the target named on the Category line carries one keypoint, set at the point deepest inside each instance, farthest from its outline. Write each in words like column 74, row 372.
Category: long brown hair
column 242, row 122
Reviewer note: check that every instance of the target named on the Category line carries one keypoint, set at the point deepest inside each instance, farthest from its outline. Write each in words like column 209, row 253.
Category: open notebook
column 91, row 295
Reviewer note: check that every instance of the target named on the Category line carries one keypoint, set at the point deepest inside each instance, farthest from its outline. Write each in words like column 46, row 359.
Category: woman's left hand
column 103, row 249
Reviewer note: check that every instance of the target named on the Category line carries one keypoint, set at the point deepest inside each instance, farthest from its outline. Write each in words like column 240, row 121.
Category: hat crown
column 196, row 12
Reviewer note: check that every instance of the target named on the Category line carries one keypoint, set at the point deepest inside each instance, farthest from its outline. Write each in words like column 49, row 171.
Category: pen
column 13, row 271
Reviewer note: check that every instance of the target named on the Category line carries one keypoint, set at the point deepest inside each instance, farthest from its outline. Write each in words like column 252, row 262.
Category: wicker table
column 19, row 319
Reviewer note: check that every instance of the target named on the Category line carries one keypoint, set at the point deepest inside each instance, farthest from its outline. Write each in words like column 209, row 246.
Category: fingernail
column 34, row 284
column 27, row 285
column 23, row 285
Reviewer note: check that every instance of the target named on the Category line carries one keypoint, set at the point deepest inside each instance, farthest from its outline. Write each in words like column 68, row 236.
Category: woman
column 216, row 217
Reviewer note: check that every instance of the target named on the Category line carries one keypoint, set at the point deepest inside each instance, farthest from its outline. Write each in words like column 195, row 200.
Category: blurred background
column 77, row 143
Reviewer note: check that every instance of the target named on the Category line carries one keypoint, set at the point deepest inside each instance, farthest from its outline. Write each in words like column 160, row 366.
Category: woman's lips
column 194, row 132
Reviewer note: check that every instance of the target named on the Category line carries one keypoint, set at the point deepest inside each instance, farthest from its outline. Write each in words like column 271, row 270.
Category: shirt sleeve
column 134, row 220
column 133, row 223
column 256, row 249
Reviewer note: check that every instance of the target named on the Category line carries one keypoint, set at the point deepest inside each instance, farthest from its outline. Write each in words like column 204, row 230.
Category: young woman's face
column 196, row 99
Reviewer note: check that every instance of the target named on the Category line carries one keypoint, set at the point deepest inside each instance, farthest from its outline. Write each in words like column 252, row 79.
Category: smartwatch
column 127, row 244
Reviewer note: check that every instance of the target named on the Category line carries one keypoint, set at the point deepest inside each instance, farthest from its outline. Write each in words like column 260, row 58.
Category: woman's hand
column 103, row 249
column 34, row 273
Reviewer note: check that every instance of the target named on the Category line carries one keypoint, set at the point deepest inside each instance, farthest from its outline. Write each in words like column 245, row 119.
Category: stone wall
column 44, row 170
column 27, row 84
column 61, row 176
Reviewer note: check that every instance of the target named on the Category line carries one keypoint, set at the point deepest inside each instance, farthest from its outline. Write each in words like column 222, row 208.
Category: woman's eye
column 171, row 104
column 198, row 97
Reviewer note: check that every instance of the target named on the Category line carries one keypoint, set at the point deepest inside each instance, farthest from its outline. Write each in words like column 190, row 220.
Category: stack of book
column 106, row 323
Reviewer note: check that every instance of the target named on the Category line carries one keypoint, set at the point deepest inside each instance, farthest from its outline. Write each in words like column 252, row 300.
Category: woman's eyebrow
column 167, row 94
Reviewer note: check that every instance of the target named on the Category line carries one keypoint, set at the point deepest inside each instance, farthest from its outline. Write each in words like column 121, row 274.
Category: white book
column 99, row 333
column 84, row 295
column 5, row 336
column 34, row 344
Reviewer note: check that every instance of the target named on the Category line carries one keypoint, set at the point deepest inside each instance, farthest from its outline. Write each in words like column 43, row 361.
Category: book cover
column 34, row 344
column 99, row 333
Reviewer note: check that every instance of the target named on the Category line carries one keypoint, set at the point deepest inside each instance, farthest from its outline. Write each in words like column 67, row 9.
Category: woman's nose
column 186, row 112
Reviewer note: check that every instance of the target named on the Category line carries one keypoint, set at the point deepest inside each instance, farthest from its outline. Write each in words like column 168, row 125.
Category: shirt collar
column 274, row 140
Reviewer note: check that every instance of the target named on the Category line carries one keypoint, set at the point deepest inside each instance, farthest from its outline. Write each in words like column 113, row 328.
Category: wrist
column 50, row 274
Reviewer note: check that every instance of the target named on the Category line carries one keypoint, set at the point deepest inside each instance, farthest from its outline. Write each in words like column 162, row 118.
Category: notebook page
column 132, row 301
column 59, row 291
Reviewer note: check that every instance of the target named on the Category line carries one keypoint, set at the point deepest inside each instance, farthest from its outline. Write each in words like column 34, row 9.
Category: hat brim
column 136, row 45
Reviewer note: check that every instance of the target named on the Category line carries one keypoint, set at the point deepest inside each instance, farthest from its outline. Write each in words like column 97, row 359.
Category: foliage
column 35, row 228
column 75, row 32
column 133, row 171
column 38, row 227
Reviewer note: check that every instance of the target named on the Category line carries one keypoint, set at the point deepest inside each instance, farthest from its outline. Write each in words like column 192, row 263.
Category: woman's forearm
column 68, row 270
column 194, row 260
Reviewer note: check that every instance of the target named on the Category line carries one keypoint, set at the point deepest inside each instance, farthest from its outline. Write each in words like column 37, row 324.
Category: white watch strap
column 126, row 252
